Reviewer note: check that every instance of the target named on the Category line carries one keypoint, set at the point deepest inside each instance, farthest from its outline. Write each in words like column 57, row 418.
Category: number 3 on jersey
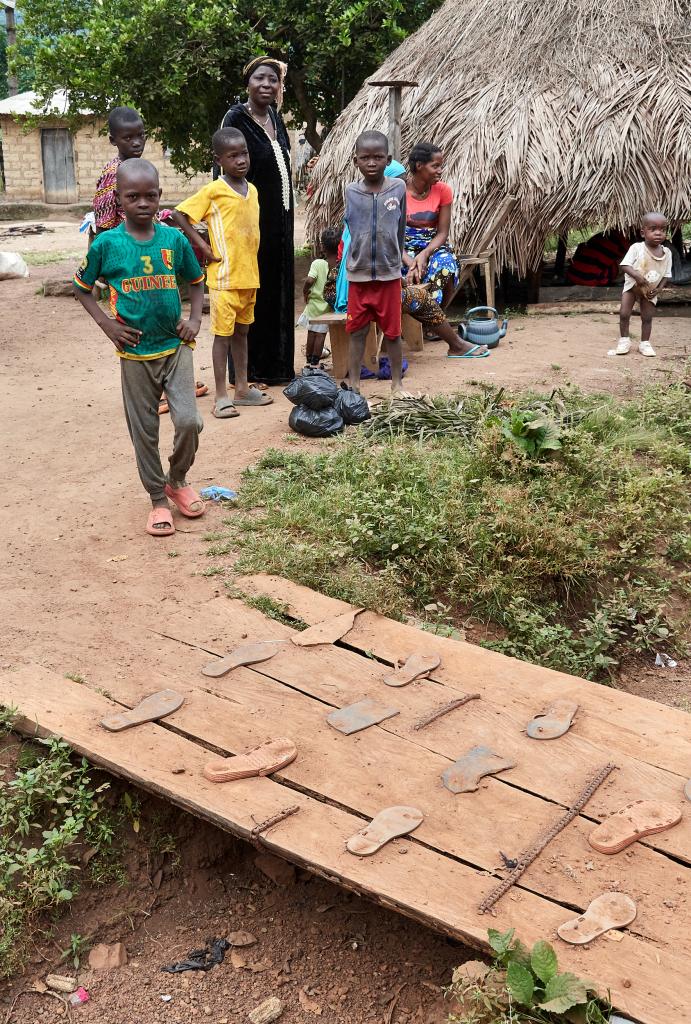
column 148, row 265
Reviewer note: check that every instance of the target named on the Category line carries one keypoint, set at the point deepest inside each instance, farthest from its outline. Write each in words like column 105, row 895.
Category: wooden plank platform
column 453, row 859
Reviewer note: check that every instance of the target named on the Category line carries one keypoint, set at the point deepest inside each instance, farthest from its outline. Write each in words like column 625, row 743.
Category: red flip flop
column 183, row 498
column 160, row 515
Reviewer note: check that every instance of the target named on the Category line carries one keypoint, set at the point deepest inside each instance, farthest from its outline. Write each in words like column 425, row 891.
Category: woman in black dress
column 271, row 341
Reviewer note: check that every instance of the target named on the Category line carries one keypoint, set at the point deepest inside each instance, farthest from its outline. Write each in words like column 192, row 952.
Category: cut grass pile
column 560, row 525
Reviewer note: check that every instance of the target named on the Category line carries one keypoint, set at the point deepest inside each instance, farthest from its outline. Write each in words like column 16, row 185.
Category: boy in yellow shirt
column 229, row 207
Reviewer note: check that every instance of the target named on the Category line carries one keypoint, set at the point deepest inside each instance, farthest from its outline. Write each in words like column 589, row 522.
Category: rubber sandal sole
column 256, row 763
column 465, row 774
column 248, row 654
column 416, row 666
column 328, row 631
column 391, row 823
column 358, row 716
column 553, row 722
column 633, row 822
column 605, row 912
column 151, row 709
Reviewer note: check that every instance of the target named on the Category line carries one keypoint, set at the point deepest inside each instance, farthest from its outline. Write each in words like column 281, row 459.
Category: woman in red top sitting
column 427, row 257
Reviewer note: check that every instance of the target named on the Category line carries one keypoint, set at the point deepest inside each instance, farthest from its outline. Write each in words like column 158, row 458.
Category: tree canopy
column 179, row 61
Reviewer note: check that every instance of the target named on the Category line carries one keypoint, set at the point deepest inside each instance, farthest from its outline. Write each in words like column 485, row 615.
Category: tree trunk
column 297, row 83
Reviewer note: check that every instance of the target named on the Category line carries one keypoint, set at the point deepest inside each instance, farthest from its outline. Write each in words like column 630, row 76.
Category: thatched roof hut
column 579, row 108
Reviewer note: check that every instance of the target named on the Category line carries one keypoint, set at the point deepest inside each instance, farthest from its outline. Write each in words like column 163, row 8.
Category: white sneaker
column 646, row 349
column 623, row 348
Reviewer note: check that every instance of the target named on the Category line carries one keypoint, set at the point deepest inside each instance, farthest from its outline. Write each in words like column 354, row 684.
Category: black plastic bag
column 201, row 959
column 315, row 422
column 352, row 407
column 313, row 388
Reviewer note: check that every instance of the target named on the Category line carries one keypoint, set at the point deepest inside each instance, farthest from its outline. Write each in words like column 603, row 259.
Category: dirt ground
column 72, row 507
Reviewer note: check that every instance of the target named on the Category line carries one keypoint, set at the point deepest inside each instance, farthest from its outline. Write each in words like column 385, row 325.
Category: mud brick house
column 48, row 162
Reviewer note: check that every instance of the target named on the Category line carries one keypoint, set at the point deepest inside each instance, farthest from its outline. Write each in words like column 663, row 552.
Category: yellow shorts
column 230, row 307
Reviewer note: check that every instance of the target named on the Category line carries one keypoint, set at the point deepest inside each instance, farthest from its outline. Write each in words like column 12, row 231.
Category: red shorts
column 378, row 301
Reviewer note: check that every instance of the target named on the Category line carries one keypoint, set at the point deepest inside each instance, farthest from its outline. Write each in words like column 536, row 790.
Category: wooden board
column 340, row 677
column 627, row 725
column 377, row 769
column 646, row 981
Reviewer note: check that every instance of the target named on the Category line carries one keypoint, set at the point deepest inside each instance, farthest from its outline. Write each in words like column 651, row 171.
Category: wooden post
column 12, row 83
column 560, row 260
column 395, row 98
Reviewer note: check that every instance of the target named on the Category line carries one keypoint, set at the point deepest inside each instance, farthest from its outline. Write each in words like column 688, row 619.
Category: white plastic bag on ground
column 12, row 265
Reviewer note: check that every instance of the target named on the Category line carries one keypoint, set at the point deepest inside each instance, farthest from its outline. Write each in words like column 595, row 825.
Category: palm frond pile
column 579, row 108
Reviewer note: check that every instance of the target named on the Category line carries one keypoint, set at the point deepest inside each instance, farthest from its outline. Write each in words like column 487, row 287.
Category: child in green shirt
column 313, row 294
column 139, row 260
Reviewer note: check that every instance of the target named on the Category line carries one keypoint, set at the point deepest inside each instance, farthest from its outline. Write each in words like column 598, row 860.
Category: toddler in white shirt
column 647, row 269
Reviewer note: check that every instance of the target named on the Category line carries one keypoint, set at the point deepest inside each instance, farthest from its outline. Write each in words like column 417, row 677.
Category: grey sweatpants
column 143, row 381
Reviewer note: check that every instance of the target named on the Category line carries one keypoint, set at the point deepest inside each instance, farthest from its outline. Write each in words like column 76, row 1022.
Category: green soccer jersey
column 142, row 281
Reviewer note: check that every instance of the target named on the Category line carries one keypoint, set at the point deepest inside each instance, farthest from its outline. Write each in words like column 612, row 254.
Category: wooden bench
column 338, row 338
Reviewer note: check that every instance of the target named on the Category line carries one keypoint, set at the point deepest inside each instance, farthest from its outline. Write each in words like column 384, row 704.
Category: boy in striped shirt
column 229, row 207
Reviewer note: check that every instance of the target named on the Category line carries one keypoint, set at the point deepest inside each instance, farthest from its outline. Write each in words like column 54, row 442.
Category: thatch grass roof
column 579, row 108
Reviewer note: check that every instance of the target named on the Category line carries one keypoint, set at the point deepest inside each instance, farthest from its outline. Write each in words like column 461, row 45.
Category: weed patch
column 52, row 811
column 560, row 522
column 523, row 986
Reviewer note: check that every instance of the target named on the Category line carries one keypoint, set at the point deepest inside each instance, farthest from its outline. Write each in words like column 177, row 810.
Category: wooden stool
column 338, row 338
column 412, row 333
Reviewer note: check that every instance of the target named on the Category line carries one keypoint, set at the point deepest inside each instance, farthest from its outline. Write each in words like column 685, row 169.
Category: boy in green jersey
column 139, row 261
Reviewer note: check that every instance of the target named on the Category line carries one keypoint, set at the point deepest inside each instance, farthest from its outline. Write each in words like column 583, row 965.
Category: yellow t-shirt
column 233, row 223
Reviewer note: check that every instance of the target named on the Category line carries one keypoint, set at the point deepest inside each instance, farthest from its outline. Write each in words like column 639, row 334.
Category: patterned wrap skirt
column 442, row 265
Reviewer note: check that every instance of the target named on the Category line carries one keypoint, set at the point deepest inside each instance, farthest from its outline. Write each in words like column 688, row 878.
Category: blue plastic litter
column 218, row 494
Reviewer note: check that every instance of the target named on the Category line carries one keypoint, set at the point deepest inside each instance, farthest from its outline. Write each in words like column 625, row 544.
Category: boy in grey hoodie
column 375, row 215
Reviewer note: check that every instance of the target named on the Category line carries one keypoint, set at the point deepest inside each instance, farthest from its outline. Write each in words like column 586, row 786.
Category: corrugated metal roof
column 29, row 103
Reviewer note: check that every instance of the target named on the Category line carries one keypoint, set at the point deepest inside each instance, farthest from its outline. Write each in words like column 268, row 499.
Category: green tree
column 179, row 61
column 26, row 77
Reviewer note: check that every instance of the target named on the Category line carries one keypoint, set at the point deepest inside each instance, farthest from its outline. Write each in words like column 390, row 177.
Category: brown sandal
column 387, row 825
column 247, row 654
column 416, row 666
column 635, row 821
column 155, row 706
column 610, row 910
column 262, row 760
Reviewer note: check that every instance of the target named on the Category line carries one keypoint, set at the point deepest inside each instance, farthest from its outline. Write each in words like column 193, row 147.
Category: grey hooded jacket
column 376, row 221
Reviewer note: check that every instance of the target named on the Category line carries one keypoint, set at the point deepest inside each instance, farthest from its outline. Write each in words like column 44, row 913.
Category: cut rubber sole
column 633, row 822
column 262, row 760
column 554, row 721
column 611, row 910
column 389, row 824
column 247, row 654
column 155, row 706
column 416, row 666
column 328, row 631
column 464, row 775
column 359, row 716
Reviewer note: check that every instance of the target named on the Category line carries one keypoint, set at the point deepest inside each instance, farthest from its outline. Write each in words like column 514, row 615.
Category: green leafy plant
column 50, row 811
column 79, row 944
column 524, row 985
column 533, row 432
